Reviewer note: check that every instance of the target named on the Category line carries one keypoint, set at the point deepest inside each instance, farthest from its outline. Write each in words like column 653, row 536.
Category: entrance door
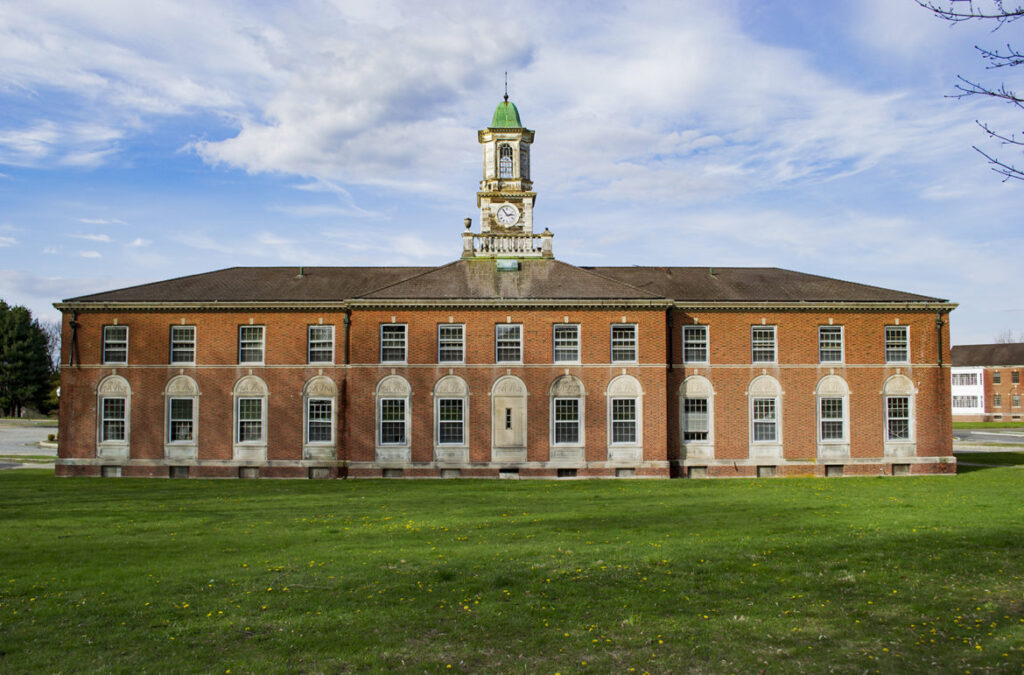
column 508, row 419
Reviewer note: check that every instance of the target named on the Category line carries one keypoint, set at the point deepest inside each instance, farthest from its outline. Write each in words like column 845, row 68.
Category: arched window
column 625, row 419
column 113, row 424
column 566, row 398
column 250, row 419
column 393, row 419
column 505, row 165
column 181, row 414
column 451, row 414
column 696, row 409
column 319, row 403
column 899, row 397
column 832, row 397
column 765, row 410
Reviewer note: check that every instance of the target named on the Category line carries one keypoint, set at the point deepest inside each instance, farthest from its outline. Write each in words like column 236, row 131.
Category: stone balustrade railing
column 507, row 245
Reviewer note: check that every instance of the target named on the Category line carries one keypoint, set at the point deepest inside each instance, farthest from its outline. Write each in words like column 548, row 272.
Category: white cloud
column 7, row 241
column 50, row 250
column 101, row 221
column 102, row 238
column 138, row 242
column 89, row 254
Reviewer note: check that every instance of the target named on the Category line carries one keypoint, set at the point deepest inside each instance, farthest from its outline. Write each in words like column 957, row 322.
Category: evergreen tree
column 25, row 367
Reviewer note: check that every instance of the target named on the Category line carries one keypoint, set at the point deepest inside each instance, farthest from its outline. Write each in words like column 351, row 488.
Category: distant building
column 505, row 363
column 986, row 382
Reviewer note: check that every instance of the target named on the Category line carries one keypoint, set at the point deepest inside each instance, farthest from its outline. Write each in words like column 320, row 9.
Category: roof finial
column 506, row 86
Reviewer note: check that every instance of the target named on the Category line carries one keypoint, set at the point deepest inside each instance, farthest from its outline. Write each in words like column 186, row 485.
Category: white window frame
column 997, row 378
column 997, row 400
column 169, row 436
column 577, row 423
column 566, row 344
column 246, row 344
column 623, row 343
column 702, row 343
column 707, row 420
column 759, row 345
column 895, row 345
column 404, row 441
column 461, row 421
column 123, row 419
column 499, row 342
column 309, row 420
column 111, row 344
column 909, row 419
column 511, row 172
column 447, row 343
column 830, row 345
column 634, row 421
column 322, row 345
column 186, row 344
column 392, row 342
column 832, row 419
column 262, row 440
column 774, row 420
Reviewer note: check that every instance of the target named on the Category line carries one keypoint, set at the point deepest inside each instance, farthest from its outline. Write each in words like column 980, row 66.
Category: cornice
column 285, row 305
column 903, row 305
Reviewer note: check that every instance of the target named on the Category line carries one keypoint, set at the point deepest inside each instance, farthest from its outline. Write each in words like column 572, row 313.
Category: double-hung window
column 181, row 420
column 250, row 420
column 624, row 343
column 695, row 344
column 567, row 420
column 997, row 378
column 451, row 345
column 183, row 344
column 113, row 422
column 695, row 419
column 624, row 420
column 450, row 421
column 567, row 343
column 831, row 419
column 997, row 400
column 392, row 343
column 508, row 343
column 830, row 344
column 115, row 344
column 320, row 344
column 1015, row 377
column 250, row 344
column 765, row 420
column 762, row 344
column 897, row 418
column 392, row 421
column 320, row 420
column 897, row 344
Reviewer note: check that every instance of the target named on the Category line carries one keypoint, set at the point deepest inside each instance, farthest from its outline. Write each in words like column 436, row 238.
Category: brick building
column 505, row 362
column 986, row 382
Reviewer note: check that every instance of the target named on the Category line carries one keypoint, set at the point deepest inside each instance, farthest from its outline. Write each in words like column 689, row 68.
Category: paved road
column 977, row 436
column 20, row 440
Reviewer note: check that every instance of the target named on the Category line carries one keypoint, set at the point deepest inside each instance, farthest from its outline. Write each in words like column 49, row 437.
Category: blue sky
column 143, row 141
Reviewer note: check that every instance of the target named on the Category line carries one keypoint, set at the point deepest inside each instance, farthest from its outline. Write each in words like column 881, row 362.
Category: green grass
column 777, row 575
column 988, row 425
column 28, row 459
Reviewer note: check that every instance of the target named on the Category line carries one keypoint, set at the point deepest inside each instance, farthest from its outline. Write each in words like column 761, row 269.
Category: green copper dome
column 506, row 116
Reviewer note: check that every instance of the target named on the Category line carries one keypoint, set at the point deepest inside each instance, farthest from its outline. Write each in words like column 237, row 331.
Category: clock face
column 507, row 214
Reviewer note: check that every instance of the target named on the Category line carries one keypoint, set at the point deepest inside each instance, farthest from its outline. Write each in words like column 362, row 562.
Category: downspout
column 345, row 322
column 74, row 338
column 939, row 323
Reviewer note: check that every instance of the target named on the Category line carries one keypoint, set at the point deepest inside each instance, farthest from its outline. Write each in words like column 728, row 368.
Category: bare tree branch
column 969, row 10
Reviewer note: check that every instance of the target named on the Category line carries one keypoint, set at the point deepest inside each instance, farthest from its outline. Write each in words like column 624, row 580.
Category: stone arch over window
column 319, row 418
column 506, row 167
column 451, row 420
column 181, row 417
column 393, row 397
column 624, row 414
column 765, row 414
column 832, row 401
column 113, row 418
column 697, row 417
column 508, row 419
column 567, row 419
column 899, row 402
column 249, row 434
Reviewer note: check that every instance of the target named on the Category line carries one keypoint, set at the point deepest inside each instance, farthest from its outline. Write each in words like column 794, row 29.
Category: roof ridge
column 406, row 279
column 615, row 281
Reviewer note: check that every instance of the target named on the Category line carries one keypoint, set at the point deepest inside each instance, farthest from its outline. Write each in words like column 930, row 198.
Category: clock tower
column 506, row 194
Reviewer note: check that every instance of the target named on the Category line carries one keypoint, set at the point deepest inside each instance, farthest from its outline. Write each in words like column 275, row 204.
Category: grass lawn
column 991, row 458
column 776, row 575
column 988, row 425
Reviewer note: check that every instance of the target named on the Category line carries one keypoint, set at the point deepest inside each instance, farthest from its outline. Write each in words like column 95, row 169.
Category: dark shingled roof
column 267, row 284
column 1009, row 354
column 540, row 279
column 479, row 279
column 745, row 284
